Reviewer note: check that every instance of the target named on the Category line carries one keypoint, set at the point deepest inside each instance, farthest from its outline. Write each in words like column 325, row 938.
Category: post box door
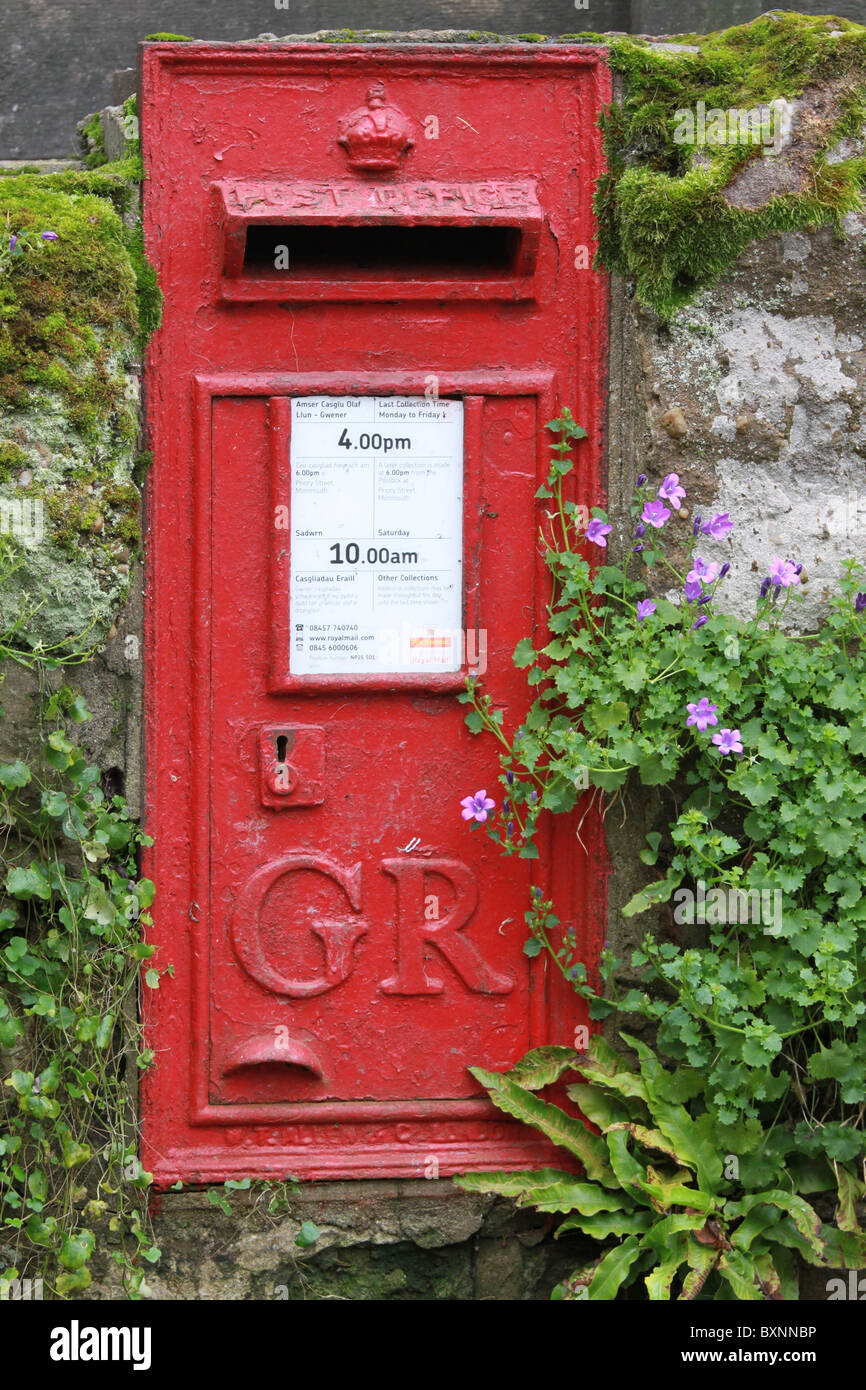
column 336, row 545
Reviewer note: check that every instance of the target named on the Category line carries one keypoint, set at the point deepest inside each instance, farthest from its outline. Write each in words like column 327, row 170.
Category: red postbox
column 375, row 263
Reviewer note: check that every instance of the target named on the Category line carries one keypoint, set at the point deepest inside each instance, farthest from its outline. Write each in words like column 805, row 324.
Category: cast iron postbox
column 375, row 263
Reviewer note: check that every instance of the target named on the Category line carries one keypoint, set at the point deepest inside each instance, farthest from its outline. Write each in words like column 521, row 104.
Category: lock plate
column 291, row 760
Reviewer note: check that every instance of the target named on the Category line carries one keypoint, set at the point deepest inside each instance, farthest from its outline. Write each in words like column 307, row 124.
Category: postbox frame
column 178, row 1027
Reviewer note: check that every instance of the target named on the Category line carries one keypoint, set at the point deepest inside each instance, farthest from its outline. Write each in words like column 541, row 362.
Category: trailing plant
column 71, row 906
column 755, row 737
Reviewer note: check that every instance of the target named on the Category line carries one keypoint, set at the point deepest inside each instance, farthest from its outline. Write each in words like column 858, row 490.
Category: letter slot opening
column 345, row 252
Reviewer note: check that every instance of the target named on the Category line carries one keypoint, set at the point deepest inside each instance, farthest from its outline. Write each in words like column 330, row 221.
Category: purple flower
column 765, row 586
column 860, row 603
column 783, row 573
column 696, row 526
column 694, row 589
column 13, row 242
column 641, row 479
column 719, row 526
column 655, row 514
column 636, row 549
column 639, row 530
column 645, row 609
column 596, row 532
column 671, row 490
column 476, row 807
column 705, row 597
column 728, row 741
column 703, row 713
column 49, row 236
column 509, row 777
column 511, row 827
column 700, row 622
column 723, row 571
column 707, row 571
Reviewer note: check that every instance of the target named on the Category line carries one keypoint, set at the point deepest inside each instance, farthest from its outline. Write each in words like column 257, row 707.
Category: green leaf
column 605, row 717
column 850, row 1190
column 72, row 1152
column 76, row 1249
column 665, row 1192
column 600, row 1109
column 606, row 1224
column 739, row 1273
column 15, row 774
column 665, row 1233
column 28, row 883
column 543, row 1066
column 649, row 856
column 702, row 1260
column 804, row 1217
column 613, row 1271
column 512, row 1184
column 585, row 1197
column 74, row 1282
column 552, row 1122
column 658, row 1281
column 652, row 895
column 307, row 1235
column 524, row 654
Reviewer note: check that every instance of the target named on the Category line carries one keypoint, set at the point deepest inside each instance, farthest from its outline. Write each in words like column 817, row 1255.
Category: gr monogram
column 340, row 935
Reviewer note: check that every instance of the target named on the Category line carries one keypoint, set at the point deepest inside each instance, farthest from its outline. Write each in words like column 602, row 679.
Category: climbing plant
column 71, row 908
column 755, row 738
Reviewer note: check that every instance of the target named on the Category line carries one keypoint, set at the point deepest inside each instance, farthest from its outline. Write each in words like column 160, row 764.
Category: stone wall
column 755, row 396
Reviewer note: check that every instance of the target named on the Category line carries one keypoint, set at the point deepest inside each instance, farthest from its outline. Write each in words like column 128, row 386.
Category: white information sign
column 376, row 535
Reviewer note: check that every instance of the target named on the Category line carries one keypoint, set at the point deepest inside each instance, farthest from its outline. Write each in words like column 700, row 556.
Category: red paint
column 321, row 1016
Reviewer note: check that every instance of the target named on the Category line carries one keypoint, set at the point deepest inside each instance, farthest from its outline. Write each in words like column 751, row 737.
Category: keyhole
column 282, row 742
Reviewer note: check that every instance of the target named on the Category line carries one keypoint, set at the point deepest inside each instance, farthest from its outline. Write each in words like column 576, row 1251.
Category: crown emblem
column 376, row 136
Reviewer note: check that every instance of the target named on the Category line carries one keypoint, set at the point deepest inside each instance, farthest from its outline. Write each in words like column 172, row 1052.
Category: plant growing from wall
column 77, row 300
column 70, row 959
column 756, row 740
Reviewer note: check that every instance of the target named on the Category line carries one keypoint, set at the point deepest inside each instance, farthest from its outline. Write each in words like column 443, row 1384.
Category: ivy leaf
column 28, row 883
column 307, row 1235
column 15, row 774
column 524, row 654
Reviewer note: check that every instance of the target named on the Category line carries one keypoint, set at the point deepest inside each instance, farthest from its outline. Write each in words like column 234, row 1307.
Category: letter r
column 414, row 931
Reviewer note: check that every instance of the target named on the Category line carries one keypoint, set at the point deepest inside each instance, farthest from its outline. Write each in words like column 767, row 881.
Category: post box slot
column 350, row 241
column 347, row 251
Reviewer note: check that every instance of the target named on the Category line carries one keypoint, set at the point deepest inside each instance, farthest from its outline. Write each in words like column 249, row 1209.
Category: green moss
column 93, row 142
column 664, row 220
column 69, row 325
column 168, row 38
column 533, row 38
column 12, row 459
column 141, row 466
column 148, row 293
column 58, row 296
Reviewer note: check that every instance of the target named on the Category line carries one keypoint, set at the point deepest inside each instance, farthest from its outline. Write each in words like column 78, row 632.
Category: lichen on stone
column 69, row 322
